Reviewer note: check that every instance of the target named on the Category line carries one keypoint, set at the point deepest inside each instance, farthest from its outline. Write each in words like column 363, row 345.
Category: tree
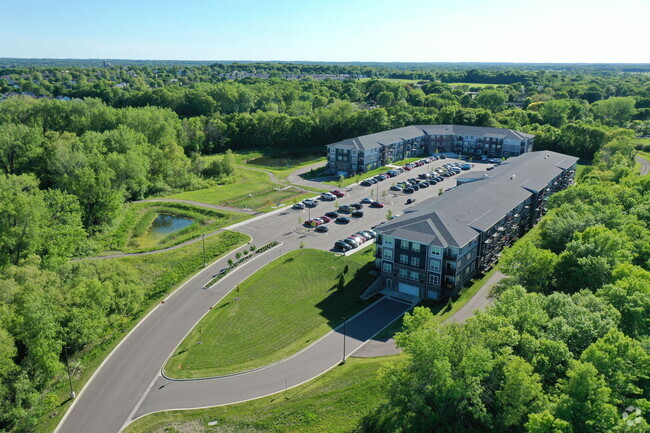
column 530, row 266
column 20, row 146
column 389, row 215
column 584, row 402
column 491, row 99
column 614, row 111
column 301, row 245
column 520, row 394
column 590, row 258
column 341, row 284
column 341, row 180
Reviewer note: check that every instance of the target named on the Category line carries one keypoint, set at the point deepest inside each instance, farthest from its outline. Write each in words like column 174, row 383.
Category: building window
column 434, row 279
column 415, row 261
column 415, row 247
column 403, row 273
column 414, row 276
column 404, row 244
column 389, row 284
column 387, row 267
column 468, row 257
column 388, row 254
column 404, row 259
column 436, row 251
column 388, row 240
column 434, row 265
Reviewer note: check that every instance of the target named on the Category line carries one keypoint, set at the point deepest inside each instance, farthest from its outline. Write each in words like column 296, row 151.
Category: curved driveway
column 127, row 379
column 645, row 164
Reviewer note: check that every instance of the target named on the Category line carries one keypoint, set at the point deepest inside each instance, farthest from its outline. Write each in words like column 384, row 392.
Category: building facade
column 439, row 245
column 365, row 153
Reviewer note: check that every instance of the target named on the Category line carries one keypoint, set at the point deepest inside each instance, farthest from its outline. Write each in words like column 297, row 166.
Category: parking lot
column 312, row 231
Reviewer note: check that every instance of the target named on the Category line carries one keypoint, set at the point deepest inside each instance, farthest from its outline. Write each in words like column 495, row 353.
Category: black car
column 332, row 215
column 432, row 181
column 423, row 175
column 345, row 209
column 443, row 156
column 342, row 220
column 395, row 188
column 368, row 234
column 439, row 178
column 343, row 246
column 415, row 187
column 408, row 190
column 423, row 184
column 365, row 183
column 351, row 242
column 322, row 229
column 357, row 214
column 357, row 206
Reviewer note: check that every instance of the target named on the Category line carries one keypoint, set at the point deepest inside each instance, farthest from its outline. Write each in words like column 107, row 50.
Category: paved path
column 479, row 301
column 124, row 381
column 200, row 204
column 645, row 165
column 296, row 179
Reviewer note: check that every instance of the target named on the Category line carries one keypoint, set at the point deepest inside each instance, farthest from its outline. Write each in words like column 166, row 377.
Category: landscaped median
column 284, row 307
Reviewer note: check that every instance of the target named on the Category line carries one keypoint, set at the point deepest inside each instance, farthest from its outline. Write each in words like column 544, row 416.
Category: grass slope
column 279, row 310
column 333, row 403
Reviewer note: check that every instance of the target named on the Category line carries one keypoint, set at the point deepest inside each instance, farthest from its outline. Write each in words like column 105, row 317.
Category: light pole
column 344, row 323
column 67, row 366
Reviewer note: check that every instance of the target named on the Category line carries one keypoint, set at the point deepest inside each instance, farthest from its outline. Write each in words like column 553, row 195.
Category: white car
column 310, row 202
column 328, row 196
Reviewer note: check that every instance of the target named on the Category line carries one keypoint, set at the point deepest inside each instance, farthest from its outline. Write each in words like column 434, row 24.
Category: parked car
column 423, row 175
column 328, row 196
column 322, row 229
column 345, row 209
column 365, row 183
column 312, row 223
column 310, row 202
column 298, row 206
column 376, row 204
column 371, row 234
column 443, row 156
column 325, row 219
column 358, row 237
column 423, row 184
column 409, row 190
column 343, row 246
column 415, row 187
column 357, row 206
column 332, row 215
column 407, row 168
column 490, row 167
column 352, row 242
column 432, row 181
column 365, row 200
column 342, row 220
column 357, row 214
column 409, row 201
column 396, row 188
column 466, row 166
column 338, row 193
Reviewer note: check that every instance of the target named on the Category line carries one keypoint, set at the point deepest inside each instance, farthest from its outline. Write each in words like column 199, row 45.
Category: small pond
column 165, row 224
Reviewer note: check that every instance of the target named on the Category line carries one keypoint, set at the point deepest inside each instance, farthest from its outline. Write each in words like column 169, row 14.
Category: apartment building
column 365, row 153
column 439, row 245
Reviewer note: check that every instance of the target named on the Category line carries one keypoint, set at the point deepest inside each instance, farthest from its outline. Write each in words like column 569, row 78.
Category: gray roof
column 372, row 141
column 458, row 216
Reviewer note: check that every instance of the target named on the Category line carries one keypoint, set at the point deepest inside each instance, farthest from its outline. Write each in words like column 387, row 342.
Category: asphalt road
column 122, row 383
column 645, row 165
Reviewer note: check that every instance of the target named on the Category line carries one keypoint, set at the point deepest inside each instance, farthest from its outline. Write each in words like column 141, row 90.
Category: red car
column 326, row 219
column 338, row 193
column 315, row 222
column 376, row 204
column 406, row 167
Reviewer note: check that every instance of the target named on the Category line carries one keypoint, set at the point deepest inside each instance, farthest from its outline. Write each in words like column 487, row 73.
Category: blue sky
column 329, row 30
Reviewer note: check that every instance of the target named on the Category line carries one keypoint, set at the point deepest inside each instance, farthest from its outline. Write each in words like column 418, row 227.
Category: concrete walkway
column 479, row 301
column 296, row 179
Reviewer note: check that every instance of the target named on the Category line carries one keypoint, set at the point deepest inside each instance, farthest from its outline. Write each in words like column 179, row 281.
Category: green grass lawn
column 332, row 403
column 394, row 80
column 159, row 274
column 475, row 84
column 247, row 182
column 278, row 311
column 131, row 232
column 280, row 163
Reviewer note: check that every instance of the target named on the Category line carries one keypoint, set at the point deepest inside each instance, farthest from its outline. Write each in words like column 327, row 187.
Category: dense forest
column 77, row 143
